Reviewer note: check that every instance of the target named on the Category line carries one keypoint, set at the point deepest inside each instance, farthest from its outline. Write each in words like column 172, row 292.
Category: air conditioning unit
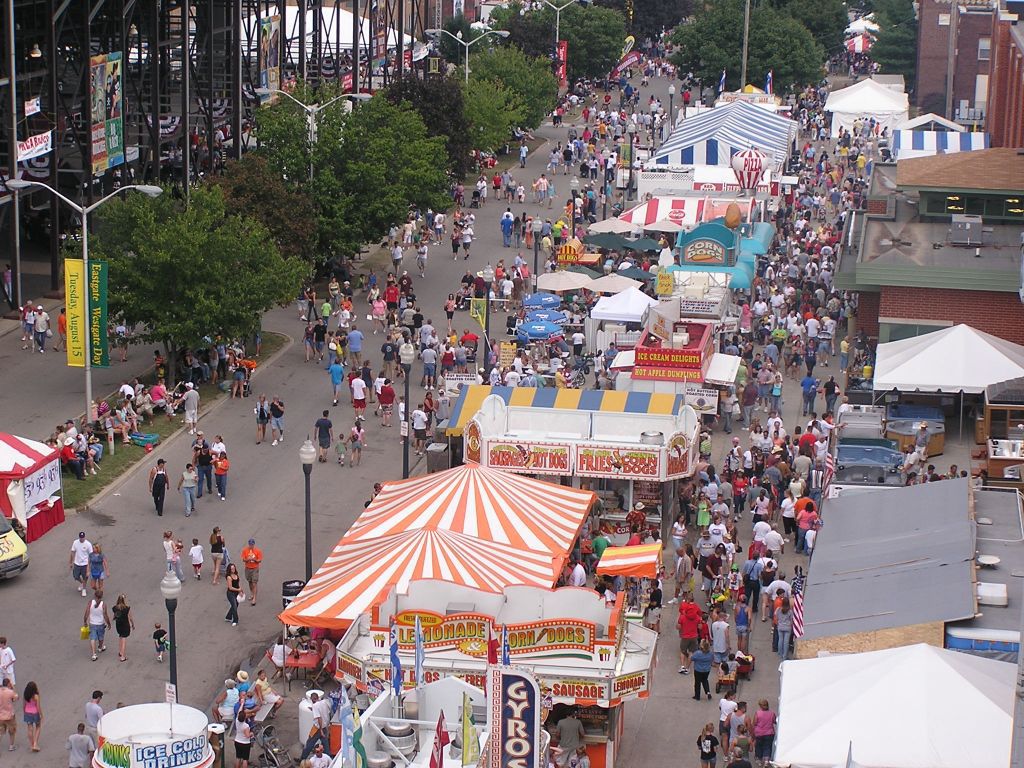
column 965, row 230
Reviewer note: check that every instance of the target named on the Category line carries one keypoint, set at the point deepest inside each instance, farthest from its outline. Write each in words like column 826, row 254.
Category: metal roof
column 891, row 558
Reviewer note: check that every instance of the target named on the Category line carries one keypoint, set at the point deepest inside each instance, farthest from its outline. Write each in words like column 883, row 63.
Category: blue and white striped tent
column 908, row 144
column 713, row 137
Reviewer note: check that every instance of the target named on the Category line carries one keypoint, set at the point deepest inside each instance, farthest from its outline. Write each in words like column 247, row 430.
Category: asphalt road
column 41, row 612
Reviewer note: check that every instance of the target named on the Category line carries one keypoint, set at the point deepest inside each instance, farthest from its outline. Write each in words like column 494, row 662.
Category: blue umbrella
column 543, row 300
column 538, row 331
column 547, row 316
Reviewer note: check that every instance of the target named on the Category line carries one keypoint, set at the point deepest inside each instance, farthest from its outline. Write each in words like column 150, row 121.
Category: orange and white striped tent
column 474, row 526
column 640, row 560
column 489, row 504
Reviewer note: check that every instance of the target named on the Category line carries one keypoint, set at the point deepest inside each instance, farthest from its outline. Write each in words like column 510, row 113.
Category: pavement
column 42, row 611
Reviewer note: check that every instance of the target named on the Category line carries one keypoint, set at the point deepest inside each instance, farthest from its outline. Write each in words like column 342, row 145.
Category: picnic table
column 300, row 661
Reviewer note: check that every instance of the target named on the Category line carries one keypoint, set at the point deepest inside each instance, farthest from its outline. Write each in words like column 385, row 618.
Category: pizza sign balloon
column 749, row 166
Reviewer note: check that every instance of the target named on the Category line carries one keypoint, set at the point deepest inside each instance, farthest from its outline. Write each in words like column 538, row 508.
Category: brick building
column 1005, row 117
column 940, row 244
column 966, row 57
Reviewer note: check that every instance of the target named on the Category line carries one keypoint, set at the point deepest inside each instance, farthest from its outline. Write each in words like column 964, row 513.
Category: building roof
column 1000, row 169
column 908, row 560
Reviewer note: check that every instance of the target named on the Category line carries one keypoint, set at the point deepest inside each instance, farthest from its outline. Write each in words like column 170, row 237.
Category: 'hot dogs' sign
column 539, row 458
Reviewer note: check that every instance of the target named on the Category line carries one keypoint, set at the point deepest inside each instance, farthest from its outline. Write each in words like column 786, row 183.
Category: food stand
column 581, row 649
column 627, row 447
column 574, row 252
column 30, row 484
column 144, row 735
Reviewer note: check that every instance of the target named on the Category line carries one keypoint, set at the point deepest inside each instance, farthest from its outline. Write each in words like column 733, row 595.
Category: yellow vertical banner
column 478, row 310
column 75, row 286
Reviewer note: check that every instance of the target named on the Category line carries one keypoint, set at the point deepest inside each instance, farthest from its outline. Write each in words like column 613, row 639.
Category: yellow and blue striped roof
column 471, row 398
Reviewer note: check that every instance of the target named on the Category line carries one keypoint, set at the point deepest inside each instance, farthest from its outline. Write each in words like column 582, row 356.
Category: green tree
column 895, row 49
column 440, row 103
column 594, row 37
column 182, row 272
column 450, row 50
column 714, row 41
column 252, row 188
column 826, row 20
column 650, row 17
column 530, row 79
column 493, row 111
column 533, row 33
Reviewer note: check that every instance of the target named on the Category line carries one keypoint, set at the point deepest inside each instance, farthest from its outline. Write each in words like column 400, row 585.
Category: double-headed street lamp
column 671, row 115
column 458, row 39
column 83, row 212
column 558, row 14
column 574, row 185
column 170, row 588
column 631, row 130
column 312, row 110
column 537, row 227
column 307, row 455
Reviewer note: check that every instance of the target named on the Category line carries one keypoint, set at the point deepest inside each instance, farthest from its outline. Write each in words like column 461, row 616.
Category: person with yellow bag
column 97, row 619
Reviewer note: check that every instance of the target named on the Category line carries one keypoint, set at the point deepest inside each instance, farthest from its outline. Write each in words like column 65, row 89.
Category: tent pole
column 961, row 415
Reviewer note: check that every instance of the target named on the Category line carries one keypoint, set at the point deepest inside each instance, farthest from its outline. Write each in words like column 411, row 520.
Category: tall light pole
column 746, row 39
column 406, row 425
column 312, row 110
column 488, row 275
column 307, row 455
column 671, row 114
column 170, row 588
column 466, row 46
column 574, row 185
column 631, row 130
column 538, row 227
column 558, row 17
column 83, row 212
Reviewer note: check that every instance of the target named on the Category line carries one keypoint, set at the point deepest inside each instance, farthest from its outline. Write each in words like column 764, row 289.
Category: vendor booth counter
column 582, row 650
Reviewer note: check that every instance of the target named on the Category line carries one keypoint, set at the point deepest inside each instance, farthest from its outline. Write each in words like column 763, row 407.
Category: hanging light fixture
column 35, row 53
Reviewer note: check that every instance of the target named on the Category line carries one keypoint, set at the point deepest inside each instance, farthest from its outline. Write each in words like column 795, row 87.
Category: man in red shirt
column 689, row 618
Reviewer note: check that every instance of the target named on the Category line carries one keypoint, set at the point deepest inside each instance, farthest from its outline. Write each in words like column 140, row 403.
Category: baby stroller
column 248, row 366
column 475, row 202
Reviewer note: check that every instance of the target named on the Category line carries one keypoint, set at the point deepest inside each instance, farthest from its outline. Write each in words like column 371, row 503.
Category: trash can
column 290, row 590
column 437, row 457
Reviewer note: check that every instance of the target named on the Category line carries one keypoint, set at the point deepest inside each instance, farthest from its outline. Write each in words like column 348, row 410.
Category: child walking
column 159, row 641
column 196, row 555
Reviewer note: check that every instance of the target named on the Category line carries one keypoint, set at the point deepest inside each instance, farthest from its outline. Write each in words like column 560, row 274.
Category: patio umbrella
column 607, row 241
column 538, row 331
column 613, row 225
column 587, row 272
column 612, row 283
column 636, row 273
column 542, row 300
column 644, row 244
column 547, row 316
column 562, row 281
column 664, row 225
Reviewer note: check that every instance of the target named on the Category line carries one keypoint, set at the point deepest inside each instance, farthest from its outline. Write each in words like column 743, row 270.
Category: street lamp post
column 488, row 275
column 83, row 211
column 312, row 110
column 538, row 227
column 574, row 185
column 458, row 39
column 307, row 455
column 631, row 130
column 406, row 425
column 170, row 588
column 558, row 17
column 671, row 113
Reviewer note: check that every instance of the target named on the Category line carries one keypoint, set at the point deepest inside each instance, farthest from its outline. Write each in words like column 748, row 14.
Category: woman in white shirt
column 788, row 506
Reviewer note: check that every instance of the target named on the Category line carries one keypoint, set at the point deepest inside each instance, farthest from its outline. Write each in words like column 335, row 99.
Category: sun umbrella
column 636, row 274
column 547, row 316
column 612, row 283
column 542, row 300
column 664, row 225
column 562, row 281
column 538, row 331
column 613, row 225
column 644, row 244
column 607, row 241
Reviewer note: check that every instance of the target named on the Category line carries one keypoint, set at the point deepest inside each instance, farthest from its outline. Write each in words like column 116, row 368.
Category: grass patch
column 78, row 493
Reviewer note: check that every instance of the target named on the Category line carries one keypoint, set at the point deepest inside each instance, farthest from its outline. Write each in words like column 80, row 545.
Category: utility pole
column 746, row 40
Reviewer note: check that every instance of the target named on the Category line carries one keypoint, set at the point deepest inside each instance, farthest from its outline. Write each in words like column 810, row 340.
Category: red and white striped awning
column 685, row 211
column 20, row 456
column 859, row 44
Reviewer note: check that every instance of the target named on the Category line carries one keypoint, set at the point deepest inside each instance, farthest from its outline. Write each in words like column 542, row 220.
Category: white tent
column 628, row 306
column 915, row 706
column 930, row 122
column 862, row 25
column 863, row 100
column 955, row 359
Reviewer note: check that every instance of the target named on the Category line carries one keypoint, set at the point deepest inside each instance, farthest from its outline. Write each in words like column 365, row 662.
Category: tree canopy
column 530, row 79
column 182, row 272
column 450, row 50
column 368, row 165
column 650, row 17
column 440, row 102
column 826, row 20
column 714, row 41
column 895, row 49
column 492, row 111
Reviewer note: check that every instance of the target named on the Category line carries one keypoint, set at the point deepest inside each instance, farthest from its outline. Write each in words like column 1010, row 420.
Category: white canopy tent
column 955, row 359
column 629, row 306
column 915, row 706
column 866, row 99
column 862, row 25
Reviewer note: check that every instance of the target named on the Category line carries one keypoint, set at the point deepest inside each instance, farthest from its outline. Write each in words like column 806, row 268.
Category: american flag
column 830, row 471
column 798, row 614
